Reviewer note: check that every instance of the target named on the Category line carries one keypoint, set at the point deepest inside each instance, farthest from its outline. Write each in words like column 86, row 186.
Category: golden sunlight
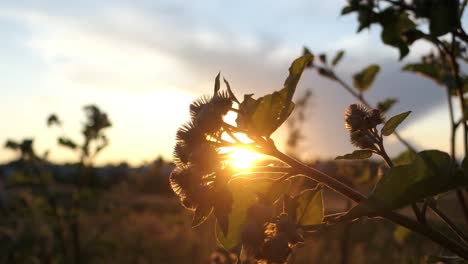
column 243, row 159
column 240, row 158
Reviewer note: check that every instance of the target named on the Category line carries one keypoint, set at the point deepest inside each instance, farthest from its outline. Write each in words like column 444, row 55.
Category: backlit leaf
column 264, row 115
column 432, row 172
column 364, row 79
column 244, row 193
column 309, row 209
column 339, row 55
column 393, row 123
column 386, row 105
column 356, row 155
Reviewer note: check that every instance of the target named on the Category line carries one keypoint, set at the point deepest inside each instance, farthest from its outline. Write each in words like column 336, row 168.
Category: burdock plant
column 257, row 214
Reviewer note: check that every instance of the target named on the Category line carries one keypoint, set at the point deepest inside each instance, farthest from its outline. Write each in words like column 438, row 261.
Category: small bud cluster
column 266, row 239
column 361, row 121
column 200, row 179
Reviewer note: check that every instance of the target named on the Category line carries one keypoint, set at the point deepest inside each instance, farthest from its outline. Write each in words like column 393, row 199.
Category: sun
column 242, row 159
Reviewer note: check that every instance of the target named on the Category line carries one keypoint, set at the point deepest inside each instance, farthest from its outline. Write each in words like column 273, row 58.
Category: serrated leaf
column 264, row 115
column 364, row 79
column 244, row 194
column 356, row 155
column 309, row 209
column 432, row 172
column 393, row 123
column 386, row 105
column 339, row 55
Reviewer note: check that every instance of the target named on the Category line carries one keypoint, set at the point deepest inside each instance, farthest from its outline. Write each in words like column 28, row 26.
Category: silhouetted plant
column 262, row 218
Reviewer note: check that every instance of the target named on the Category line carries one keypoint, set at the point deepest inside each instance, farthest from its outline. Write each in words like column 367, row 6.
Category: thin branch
column 354, row 195
column 449, row 222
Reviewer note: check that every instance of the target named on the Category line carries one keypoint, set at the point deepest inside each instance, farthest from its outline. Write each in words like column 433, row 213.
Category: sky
column 143, row 62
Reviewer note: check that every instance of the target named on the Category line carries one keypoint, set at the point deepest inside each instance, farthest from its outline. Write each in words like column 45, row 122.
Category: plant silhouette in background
column 41, row 217
column 94, row 138
column 256, row 214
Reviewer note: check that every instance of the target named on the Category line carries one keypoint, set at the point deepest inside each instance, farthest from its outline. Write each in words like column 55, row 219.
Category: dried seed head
column 207, row 112
column 187, row 183
column 252, row 236
column 197, row 105
column 376, row 117
column 181, row 154
column 356, row 117
column 361, row 140
column 276, row 249
column 190, row 135
column 206, row 157
column 259, row 212
column 288, row 226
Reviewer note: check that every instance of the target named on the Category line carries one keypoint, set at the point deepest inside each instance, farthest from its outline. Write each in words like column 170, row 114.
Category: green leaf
column 66, row 142
column 393, row 123
column 346, row 10
column 432, row 172
column 306, row 51
column 406, row 157
column 364, row 79
column 309, row 209
column 428, row 70
column 356, row 155
column 386, row 105
column 200, row 215
column 244, row 193
column 443, row 17
column 264, row 115
column 394, row 25
column 400, row 234
column 338, row 57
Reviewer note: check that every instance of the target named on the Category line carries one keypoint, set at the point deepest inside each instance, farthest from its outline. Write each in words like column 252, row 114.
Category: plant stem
column 449, row 222
column 453, row 128
column 354, row 195
column 456, row 73
column 389, row 162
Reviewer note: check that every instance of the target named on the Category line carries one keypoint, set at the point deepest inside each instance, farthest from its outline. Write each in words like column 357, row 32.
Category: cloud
column 119, row 52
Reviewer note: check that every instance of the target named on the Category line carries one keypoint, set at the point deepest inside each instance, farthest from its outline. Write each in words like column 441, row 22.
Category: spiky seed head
column 198, row 104
column 356, row 116
column 376, row 117
column 207, row 112
column 206, row 157
column 190, row 135
column 276, row 249
column 361, row 140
